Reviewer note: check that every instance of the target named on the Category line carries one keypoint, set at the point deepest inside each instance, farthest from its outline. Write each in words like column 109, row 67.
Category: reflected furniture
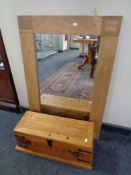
column 89, row 57
column 46, row 45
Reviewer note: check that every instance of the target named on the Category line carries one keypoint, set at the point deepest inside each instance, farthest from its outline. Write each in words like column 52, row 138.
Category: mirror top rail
column 89, row 25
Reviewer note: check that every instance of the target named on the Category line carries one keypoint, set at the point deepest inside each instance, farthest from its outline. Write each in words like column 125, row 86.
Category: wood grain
column 108, row 27
column 65, row 106
column 25, row 23
column 102, row 80
column 30, row 67
column 38, row 124
column 6, row 91
column 67, row 136
column 111, row 25
column 86, row 25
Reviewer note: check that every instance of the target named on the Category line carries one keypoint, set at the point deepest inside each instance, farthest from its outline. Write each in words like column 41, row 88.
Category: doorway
column 8, row 95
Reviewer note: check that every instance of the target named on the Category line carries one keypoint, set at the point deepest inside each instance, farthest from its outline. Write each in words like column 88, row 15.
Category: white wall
column 62, row 46
column 78, row 45
column 73, row 44
column 118, row 110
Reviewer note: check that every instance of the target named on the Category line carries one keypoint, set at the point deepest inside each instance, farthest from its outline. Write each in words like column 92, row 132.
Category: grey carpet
column 51, row 64
column 48, row 71
column 112, row 155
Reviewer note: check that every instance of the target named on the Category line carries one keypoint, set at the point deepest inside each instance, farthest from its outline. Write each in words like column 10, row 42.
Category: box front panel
column 54, row 148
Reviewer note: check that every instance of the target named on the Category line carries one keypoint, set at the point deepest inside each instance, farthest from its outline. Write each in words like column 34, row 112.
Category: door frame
column 8, row 104
column 107, row 27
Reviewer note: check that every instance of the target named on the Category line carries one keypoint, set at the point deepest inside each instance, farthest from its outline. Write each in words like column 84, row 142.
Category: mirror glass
column 66, row 64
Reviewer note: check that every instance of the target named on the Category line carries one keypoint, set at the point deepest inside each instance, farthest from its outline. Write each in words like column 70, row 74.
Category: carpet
column 69, row 81
column 112, row 154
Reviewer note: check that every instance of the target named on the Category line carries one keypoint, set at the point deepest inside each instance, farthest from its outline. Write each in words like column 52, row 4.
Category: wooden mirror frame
column 107, row 27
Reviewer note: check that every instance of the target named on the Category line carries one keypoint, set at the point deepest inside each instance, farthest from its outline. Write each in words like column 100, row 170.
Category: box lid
column 62, row 129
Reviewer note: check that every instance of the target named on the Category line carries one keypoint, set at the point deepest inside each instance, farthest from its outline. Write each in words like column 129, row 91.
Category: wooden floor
column 65, row 106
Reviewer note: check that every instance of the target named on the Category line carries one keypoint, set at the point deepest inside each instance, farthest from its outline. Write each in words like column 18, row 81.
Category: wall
column 62, row 46
column 73, row 44
column 119, row 98
column 78, row 45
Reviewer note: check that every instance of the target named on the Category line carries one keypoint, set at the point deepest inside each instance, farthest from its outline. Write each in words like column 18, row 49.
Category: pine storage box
column 58, row 138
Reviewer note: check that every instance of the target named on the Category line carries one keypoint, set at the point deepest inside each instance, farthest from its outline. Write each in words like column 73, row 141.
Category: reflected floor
column 59, row 75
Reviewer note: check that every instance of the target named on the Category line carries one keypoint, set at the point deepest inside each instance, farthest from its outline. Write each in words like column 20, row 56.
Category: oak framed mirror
column 104, row 29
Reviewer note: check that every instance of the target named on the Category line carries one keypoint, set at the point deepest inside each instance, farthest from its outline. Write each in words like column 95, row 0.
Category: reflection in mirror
column 1, row 63
column 66, row 64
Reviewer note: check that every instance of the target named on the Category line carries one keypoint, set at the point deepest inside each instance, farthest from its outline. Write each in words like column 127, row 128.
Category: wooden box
column 58, row 138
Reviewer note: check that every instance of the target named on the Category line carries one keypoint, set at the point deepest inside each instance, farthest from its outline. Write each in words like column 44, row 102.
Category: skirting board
column 116, row 128
column 9, row 107
column 74, row 48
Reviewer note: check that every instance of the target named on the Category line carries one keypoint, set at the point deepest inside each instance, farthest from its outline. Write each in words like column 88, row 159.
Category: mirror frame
column 107, row 27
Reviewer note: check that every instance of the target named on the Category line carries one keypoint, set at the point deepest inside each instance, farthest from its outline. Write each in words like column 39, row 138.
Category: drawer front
column 54, row 148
